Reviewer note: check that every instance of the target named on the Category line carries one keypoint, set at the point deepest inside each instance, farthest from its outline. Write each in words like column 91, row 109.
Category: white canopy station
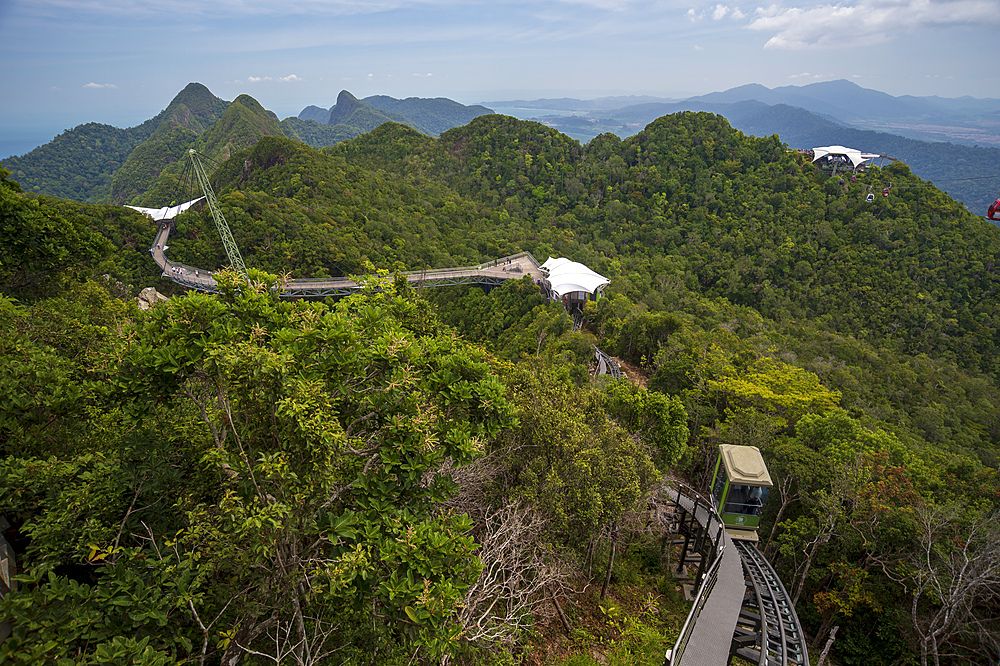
column 167, row 212
column 573, row 280
column 855, row 157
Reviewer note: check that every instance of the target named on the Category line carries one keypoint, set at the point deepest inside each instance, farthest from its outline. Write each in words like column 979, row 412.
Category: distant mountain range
column 964, row 120
column 144, row 165
column 429, row 116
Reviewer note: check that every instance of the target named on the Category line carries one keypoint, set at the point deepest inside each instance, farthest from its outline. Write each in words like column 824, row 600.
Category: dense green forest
column 239, row 478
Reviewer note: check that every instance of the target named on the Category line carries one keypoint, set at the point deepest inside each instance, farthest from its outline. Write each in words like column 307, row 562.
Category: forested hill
column 969, row 173
column 740, row 217
column 80, row 163
column 99, row 163
column 337, row 472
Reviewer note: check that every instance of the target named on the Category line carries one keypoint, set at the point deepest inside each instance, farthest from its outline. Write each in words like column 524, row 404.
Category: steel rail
column 781, row 641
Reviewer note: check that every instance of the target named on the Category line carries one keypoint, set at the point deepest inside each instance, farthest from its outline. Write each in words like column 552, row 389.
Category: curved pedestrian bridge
column 491, row 273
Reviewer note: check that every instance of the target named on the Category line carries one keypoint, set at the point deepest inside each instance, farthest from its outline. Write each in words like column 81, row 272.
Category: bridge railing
column 515, row 257
column 714, row 531
column 189, row 276
column 196, row 278
column 455, row 271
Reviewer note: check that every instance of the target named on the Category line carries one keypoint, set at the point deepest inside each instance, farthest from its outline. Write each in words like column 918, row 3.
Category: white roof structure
column 167, row 212
column 856, row 157
column 567, row 276
column 552, row 262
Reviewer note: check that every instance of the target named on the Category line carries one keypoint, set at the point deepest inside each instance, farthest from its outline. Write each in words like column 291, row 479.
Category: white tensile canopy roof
column 552, row 262
column 855, row 156
column 167, row 212
column 567, row 276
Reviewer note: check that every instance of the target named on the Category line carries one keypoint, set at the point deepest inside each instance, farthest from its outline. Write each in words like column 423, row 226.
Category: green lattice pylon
column 228, row 242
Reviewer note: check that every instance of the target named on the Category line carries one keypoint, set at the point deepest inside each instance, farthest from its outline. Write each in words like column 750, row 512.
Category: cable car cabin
column 994, row 211
column 740, row 487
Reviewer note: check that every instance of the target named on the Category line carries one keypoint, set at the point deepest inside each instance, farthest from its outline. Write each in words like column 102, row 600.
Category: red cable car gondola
column 994, row 212
column 885, row 192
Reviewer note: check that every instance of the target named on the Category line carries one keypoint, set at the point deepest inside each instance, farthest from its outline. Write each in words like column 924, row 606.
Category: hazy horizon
column 14, row 142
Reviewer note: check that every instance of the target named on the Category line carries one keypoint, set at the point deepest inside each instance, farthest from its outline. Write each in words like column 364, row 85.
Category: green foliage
column 145, row 165
column 80, row 163
column 38, row 243
column 316, row 134
column 288, row 421
column 659, row 419
column 482, row 316
column 573, row 463
column 125, row 619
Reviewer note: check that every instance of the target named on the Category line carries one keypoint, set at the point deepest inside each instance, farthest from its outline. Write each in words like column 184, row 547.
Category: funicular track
column 741, row 607
column 768, row 632
column 606, row 365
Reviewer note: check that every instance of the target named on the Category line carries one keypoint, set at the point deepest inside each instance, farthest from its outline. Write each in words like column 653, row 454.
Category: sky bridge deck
column 492, row 273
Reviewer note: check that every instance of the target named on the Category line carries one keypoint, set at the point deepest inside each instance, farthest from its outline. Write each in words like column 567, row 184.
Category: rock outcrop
column 149, row 297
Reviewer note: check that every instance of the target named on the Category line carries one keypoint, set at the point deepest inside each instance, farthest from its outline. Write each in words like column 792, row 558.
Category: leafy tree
column 37, row 242
column 323, row 444
column 572, row 463
column 659, row 420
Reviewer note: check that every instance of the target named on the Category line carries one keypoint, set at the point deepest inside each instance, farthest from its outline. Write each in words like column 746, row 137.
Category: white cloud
column 428, row 74
column 806, row 75
column 283, row 79
column 99, row 85
column 718, row 12
column 867, row 21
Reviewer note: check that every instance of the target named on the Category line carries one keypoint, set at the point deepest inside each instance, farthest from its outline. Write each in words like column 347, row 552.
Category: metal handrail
column 675, row 654
column 196, row 278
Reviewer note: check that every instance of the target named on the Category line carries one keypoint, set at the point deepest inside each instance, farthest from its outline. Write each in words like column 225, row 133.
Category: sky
column 120, row 62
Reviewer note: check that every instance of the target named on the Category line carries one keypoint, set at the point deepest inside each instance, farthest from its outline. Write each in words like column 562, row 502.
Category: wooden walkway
column 491, row 273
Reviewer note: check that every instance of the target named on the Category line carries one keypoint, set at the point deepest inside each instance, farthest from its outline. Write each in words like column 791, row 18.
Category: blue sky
column 68, row 62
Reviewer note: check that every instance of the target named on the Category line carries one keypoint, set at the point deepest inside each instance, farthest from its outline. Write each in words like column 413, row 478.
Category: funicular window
column 720, row 485
column 746, row 500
